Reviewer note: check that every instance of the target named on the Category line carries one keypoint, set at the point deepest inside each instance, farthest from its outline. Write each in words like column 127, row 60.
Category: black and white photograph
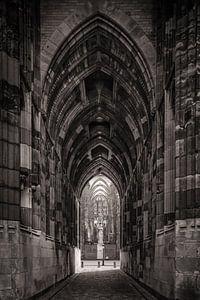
column 99, row 149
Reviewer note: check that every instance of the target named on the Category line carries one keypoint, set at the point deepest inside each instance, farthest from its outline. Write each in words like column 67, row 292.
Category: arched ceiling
column 98, row 103
column 100, row 188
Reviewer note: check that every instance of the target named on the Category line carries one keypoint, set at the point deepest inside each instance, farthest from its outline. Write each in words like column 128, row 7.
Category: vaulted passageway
column 99, row 142
column 98, row 102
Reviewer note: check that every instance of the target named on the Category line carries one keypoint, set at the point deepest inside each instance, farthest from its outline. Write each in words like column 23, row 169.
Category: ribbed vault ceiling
column 98, row 103
column 100, row 187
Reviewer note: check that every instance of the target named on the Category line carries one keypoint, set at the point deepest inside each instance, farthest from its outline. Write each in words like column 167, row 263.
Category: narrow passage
column 99, row 285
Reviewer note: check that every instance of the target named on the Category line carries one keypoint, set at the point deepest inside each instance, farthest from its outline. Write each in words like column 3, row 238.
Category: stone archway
column 70, row 23
column 98, row 111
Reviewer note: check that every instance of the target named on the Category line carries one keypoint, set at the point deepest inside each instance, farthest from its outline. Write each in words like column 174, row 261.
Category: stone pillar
column 26, row 161
column 52, row 210
column 186, row 84
column 9, row 112
column 187, row 156
column 197, row 121
column 58, row 200
column 169, row 158
column 47, row 181
column 78, row 222
column 158, row 205
column 36, row 184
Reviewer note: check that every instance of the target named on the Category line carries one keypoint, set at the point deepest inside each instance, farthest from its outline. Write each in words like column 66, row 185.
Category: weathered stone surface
column 113, row 89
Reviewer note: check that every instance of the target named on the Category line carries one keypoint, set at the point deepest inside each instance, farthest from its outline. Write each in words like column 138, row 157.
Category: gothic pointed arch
column 73, row 21
column 97, row 76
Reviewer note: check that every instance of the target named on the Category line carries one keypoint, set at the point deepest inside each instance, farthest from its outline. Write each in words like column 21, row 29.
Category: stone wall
column 187, row 259
column 30, row 262
column 9, row 113
column 166, row 260
column 155, row 267
column 187, row 154
column 53, row 14
column 38, row 227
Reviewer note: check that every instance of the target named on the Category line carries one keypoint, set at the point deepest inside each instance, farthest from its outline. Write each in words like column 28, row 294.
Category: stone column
column 187, row 155
column 169, row 158
column 9, row 112
column 36, row 184
column 186, row 85
column 158, row 205
column 26, row 161
column 197, row 121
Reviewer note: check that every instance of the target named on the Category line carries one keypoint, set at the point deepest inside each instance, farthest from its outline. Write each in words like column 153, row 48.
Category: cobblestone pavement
column 111, row 284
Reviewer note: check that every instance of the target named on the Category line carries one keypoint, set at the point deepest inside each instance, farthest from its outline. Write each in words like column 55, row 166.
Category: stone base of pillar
column 187, row 259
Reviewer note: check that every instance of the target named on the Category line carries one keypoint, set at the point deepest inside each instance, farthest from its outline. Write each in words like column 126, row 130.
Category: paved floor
column 110, row 284
column 96, row 265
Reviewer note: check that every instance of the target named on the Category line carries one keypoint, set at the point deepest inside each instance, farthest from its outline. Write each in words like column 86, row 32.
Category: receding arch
column 67, row 28
column 97, row 74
